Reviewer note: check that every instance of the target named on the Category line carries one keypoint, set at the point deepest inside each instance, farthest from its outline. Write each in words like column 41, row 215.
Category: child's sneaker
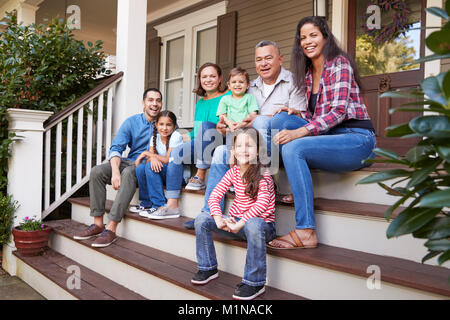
column 137, row 208
column 195, row 183
column 203, row 277
column 246, row 292
column 165, row 213
column 146, row 212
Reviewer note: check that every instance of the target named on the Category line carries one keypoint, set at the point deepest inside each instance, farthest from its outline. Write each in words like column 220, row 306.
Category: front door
column 382, row 60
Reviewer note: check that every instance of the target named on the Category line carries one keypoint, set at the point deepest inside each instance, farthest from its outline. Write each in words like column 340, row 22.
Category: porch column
column 26, row 13
column 25, row 170
column 130, row 58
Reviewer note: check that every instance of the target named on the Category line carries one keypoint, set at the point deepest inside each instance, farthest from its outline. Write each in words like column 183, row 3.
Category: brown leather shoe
column 90, row 232
column 105, row 239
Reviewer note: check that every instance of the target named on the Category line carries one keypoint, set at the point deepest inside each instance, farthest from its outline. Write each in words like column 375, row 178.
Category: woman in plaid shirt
column 333, row 133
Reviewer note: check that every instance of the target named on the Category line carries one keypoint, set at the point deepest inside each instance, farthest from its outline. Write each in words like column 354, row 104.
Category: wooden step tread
column 393, row 270
column 171, row 268
column 93, row 286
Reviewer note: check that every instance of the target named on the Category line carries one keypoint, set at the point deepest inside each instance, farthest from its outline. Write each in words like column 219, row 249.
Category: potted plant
column 31, row 236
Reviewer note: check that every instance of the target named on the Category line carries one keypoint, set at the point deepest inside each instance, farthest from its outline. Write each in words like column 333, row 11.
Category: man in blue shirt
column 119, row 171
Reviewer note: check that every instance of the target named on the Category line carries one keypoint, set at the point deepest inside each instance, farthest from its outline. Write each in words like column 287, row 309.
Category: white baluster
column 109, row 119
column 47, row 169
column 99, row 129
column 58, row 161
column 69, row 153
column 89, row 138
column 79, row 163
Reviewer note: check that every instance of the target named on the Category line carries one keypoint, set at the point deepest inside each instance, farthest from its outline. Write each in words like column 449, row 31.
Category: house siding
column 266, row 20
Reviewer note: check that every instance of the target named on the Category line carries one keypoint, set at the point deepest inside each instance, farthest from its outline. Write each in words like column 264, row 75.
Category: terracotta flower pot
column 31, row 243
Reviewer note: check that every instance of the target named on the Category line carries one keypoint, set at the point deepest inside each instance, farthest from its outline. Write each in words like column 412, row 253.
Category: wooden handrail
column 81, row 101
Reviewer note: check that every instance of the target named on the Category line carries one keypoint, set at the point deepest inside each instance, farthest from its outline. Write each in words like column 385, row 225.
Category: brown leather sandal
column 296, row 244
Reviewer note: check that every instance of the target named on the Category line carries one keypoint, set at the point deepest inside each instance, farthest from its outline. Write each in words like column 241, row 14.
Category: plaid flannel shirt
column 339, row 98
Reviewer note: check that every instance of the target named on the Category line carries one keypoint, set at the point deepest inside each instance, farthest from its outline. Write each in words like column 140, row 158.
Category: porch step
column 339, row 223
column 150, row 272
column 53, row 269
column 319, row 273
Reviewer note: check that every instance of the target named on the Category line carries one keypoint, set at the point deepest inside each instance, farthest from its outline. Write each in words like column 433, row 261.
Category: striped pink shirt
column 243, row 206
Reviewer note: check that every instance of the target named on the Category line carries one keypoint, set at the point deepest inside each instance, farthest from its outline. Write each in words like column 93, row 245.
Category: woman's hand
column 286, row 136
column 288, row 110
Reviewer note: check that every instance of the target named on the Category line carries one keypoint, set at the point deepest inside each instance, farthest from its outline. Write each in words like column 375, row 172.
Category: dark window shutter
column 154, row 63
column 226, row 42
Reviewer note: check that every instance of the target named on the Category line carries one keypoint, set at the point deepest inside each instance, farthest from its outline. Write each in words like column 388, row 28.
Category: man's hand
column 288, row 110
column 115, row 177
column 156, row 164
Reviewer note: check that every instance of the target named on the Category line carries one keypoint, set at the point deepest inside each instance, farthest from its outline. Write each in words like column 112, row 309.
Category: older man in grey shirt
column 274, row 89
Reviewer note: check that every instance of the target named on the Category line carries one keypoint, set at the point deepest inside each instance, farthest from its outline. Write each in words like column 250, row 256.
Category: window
column 188, row 42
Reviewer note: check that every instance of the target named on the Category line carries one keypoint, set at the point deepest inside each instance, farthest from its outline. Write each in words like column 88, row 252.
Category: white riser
column 367, row 234
column 40, row 283
column 130, row 277
column 327, row 185
column 280, row 270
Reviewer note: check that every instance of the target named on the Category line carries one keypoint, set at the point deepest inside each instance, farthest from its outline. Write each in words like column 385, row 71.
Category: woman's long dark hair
column 255, row 171
column 173, row 117
column 300, row 64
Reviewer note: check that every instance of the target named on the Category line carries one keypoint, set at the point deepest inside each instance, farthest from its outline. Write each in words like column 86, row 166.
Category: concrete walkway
column 13, row 288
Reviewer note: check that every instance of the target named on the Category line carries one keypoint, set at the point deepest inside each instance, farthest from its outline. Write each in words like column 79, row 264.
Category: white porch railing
column 67, row 167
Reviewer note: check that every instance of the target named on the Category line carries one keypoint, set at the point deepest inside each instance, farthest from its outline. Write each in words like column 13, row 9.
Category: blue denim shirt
column 135, row 133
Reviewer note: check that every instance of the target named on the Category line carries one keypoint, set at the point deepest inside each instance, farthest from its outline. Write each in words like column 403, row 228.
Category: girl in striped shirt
column 251, row 216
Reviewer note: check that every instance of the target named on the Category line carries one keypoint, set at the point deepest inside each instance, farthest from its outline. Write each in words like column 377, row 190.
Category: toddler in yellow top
column 233, row 109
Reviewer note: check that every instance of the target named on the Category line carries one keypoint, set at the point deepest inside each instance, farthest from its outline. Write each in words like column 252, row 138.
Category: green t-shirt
column 205, row 110
column 237, row 109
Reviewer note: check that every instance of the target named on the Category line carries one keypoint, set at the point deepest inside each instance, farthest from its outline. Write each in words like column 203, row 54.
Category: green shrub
column 7, row 208
column 42, row 67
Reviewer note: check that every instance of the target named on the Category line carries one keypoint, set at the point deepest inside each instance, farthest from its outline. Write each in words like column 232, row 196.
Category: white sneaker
column 165, row 213
column 137, row 208
column 147, row 212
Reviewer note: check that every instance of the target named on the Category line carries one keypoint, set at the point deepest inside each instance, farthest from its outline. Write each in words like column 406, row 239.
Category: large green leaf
column 433, row 88
column 399, row 130
column 418, row 153
column 446, row 87
column 444, row 152
column 436, row 199
column 410, row 220
column 386, row 154
column 422, row 174
column 385, row 175
column 438, row 245
column 444, row 257
column 439, row 42
column 431, row 126
column 438, row 228
column 438, row 12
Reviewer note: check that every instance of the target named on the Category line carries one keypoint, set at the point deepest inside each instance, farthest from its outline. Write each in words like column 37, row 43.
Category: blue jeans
column 337, row 150
column 197, row 151
column 256, row 231
column 153, row 183
column 219, row 166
